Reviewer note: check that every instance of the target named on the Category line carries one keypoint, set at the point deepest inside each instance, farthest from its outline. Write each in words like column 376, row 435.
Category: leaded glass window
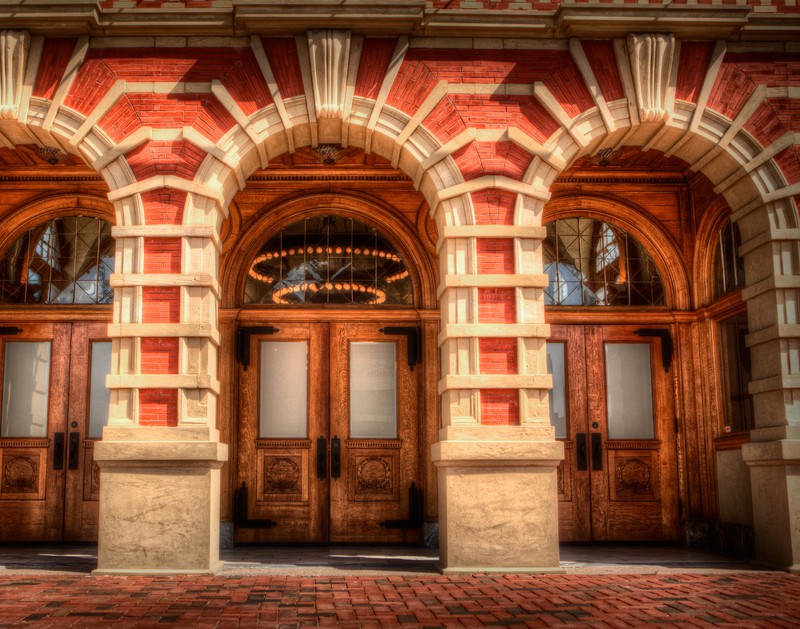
column 63, row 261
column 595, row 263
column 330, row 260
column 728, row 264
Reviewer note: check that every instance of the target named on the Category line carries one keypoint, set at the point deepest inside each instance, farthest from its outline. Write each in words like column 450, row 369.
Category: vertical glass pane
column 99, row 395
column 284, row 390
column 629, row 391
column 373, row 390
column 26, row 380
column 736, row 373
column 558, row 394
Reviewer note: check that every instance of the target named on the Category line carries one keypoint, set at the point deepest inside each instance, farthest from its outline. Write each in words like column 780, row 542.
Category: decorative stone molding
column 651, row 63
column 14, row 47
column 329, row 54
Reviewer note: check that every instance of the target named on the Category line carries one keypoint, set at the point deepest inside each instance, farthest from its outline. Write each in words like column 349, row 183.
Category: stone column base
column 498, row 506
column 159, row 501
column 775, row 480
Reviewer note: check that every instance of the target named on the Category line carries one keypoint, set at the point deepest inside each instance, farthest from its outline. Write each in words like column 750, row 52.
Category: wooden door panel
column 628, row 491
column 31, row 491
column 375, row 473
column 83, row 483
column 281, row 473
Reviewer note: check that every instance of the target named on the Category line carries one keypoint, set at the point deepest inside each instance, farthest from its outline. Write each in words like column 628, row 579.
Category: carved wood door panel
column 326, row 456
column 618, row 480
column 48, row 480
column 283, row 412
column 374, row 415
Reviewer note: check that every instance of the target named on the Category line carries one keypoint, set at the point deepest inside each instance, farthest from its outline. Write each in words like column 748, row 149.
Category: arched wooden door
column 329, row 395
column 612, row 402
column 328, row 432
column 54, row 358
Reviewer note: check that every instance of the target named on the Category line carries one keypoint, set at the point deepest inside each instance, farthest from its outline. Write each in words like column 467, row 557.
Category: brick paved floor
column 754, row 599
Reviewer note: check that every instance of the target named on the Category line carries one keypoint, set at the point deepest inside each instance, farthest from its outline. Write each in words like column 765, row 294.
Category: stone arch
column 647, row 110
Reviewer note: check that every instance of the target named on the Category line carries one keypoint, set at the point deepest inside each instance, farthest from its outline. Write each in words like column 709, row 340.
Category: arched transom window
column 328, row 260
column 595, row 263
column 65, row 260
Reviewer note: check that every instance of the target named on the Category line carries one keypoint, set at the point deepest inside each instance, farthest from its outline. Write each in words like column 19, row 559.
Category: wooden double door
column 53, row 406
column 613, row 407
column 328, row 433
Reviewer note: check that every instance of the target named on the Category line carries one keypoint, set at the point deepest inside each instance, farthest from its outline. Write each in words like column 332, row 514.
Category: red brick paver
column 765, row 599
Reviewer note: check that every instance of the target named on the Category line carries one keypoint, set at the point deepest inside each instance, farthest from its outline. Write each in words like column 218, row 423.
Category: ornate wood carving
column 25, row 443
column 20, row 474
column 372, row 445
column 304, row 444
column 14, row 47
column 282, row 475
column 633, row 474
column 329, row 55
column 374, row 475
column 638, row 444
column 651, row 63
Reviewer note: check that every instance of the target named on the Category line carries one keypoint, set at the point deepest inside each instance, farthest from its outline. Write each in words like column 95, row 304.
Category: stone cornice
column 410, row 17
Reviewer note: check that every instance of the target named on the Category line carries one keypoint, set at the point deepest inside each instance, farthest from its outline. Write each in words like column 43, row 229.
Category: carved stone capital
column 14, row 47
column 651, row 63
column 329, row 53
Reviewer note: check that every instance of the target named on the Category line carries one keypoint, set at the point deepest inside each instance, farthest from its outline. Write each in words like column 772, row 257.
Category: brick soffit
column 238, row 18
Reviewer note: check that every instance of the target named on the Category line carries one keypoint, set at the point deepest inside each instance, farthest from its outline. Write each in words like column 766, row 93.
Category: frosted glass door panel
column 558, row 394
column 284, row 390
column 629, row 391
column 99, row 395
column 26, row 382
column 373, row 391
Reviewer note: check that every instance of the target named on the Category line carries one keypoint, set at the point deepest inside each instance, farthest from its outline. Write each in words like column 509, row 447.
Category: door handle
column 597, row 451
column 336, row 457
column 74, row 450
column 322, row 457
column 58, row 451
column 580, row 440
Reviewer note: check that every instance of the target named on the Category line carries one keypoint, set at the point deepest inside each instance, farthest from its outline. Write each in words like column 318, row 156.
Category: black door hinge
column 243, row 341
column 414, row 342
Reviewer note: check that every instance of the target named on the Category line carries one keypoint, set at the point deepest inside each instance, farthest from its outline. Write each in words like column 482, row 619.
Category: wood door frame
column 64, row 491
column 428, row 398
column 608, row 318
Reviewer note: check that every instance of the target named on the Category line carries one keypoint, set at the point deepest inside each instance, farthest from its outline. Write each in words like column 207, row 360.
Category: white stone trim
column 494, row 381
column 748, row 109
column 164, row 280
column 490, row 231
column 396, row 61
column 779, row 145
column 168, row 231
column 31, row 72
column 551, row 104
column 651, row 57
column 714, row 66
column 14, row 50
column 773, row 333
column 488, row 181
column 428, row 105
column 580, row 59
column 167, row 181
column 329, row 57
column 70, row 72
column 493, row 330
column 103, row 107
column 266, row 70
column 163, row 381
column 165, row 330
column 770, row 197
column 301, row 43
column 356, row 45
column 223, row 95
column 769, row 284
column 768, row 237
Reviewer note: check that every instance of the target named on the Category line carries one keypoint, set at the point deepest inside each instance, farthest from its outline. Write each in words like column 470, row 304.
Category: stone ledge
column 157, row 453
column 497, row 453
column 782, row 452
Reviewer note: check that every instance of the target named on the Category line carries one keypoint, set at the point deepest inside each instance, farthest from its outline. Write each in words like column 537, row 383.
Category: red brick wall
column 499, row 407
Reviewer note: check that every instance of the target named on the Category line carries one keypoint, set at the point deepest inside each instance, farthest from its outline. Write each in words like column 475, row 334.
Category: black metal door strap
column 243, row 341
column 414, row 342
column 242, row 521
column 666, row 343
column 414, row 512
